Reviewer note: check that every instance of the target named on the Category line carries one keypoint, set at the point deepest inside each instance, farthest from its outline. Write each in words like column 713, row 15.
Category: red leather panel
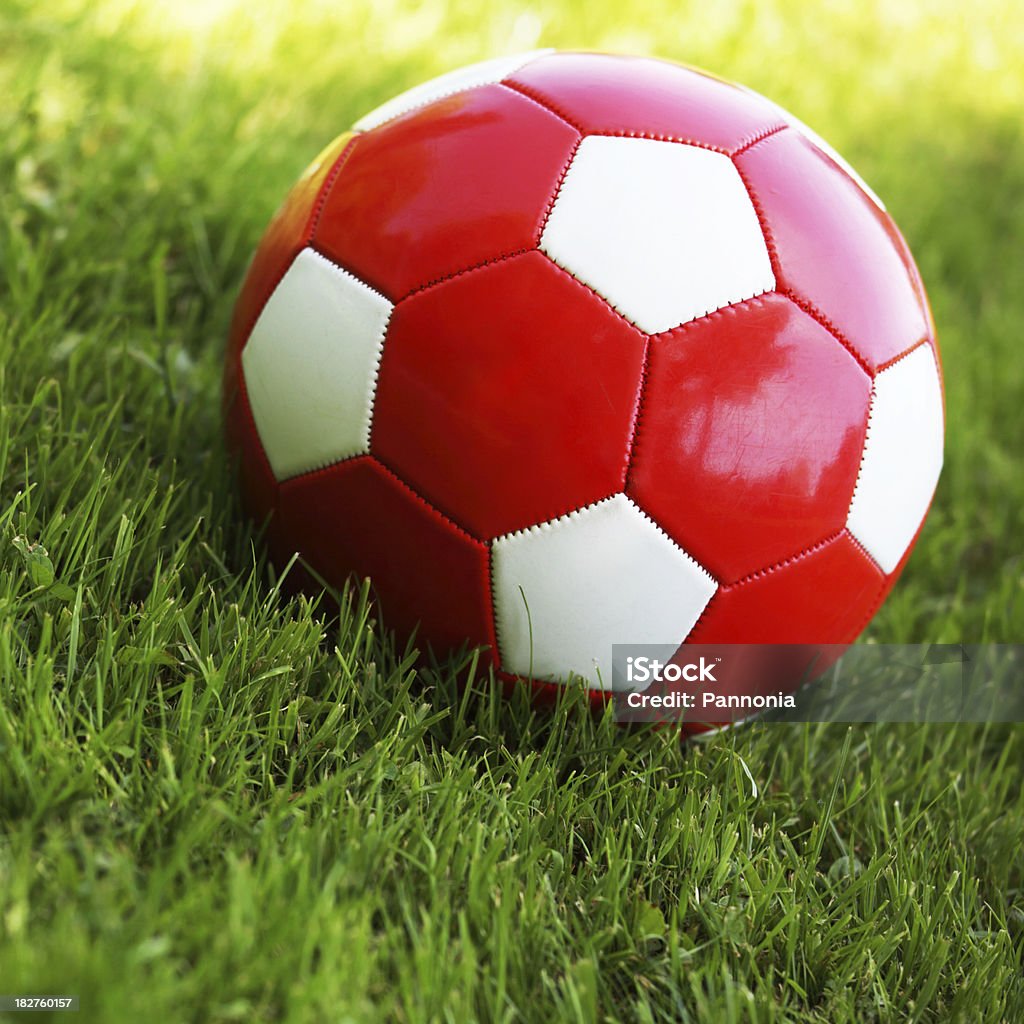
column 443, row 188
column 506, row 396
column 821, row 597
column 750, row 435
column 618, row 95
column 834, row 248
column 356, row 517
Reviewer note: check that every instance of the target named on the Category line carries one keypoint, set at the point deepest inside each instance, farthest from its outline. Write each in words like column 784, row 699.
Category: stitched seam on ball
column 759, row 137
column 381, row 338
column 590, row 288
column 514, row 87
column 495, row 622
column 446, row 519
column 550, row 518
column 903, row 355
column 375, row 379
column 550, row 524
column 427, row 501
column 863, row 459
column 326, row 187
column 539, row 99
column 628, row 133
column 762, row 220
column 811, row 549
column 556, row 192
column 358, row 278
column 500, row 258
column 807, row 306
column 729, row 309
column 812, row 311
column 738, row 301
column 325, row 464
column 654, row 136
column 867, row 554
column 570, row 511
column 705, row 613
column 492, row 647
column 634, row 427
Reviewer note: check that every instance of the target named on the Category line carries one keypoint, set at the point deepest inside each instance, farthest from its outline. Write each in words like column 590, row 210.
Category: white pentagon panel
column 665, row 232
column 568, row 589
column 311, row 365
column 902, row 457
column 487, row 72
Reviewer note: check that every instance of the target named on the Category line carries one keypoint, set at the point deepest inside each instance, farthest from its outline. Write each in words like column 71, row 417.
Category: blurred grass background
column 211, row 811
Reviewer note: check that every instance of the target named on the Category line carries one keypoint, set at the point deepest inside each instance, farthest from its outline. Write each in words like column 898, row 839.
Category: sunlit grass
column 210, row 811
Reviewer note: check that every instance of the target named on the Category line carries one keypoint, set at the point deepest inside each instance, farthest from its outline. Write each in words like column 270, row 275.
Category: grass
column 215, row 805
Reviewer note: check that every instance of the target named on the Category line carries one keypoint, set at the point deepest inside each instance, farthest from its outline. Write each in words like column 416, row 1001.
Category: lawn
column 218, row 804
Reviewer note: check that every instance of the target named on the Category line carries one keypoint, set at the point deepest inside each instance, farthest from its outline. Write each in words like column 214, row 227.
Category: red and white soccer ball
column 566, row 350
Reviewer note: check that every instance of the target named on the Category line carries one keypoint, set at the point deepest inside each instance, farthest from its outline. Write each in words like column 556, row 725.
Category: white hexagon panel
column 567, row 590
column 311, row 366
column 665, row 232
column 902, row 457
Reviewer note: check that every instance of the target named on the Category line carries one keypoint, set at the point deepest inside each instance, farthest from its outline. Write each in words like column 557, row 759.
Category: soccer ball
column 564, row 350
